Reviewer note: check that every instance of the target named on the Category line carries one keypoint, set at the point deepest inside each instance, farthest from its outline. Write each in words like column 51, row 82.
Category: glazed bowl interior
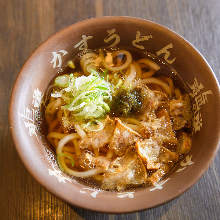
column 43, row 65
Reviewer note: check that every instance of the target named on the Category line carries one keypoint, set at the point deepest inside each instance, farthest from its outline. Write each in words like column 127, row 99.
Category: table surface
column 24, row 24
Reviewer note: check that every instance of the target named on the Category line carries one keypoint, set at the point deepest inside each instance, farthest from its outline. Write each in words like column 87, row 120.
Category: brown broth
column 165, row 70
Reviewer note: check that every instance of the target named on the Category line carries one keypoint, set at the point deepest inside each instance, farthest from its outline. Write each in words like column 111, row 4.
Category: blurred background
column 24, row 24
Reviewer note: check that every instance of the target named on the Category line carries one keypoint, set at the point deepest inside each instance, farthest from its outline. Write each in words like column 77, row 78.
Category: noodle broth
column 118, row 118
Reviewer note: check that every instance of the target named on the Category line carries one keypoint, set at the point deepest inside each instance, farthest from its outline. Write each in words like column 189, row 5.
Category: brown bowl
column 44, row 63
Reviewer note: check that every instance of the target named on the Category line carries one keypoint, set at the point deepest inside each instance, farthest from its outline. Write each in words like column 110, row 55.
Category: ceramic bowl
column 143, row 35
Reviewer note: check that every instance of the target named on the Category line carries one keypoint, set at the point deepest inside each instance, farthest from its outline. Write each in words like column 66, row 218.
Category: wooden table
column 24, row 25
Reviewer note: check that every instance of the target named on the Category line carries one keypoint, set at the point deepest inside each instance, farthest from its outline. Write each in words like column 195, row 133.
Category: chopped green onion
column 94, row 125
column 120, row 82
column 105, row 73
column 62, row 81
column 107, row 78
column 71, row 64
column 67, row 156
column 86, row 97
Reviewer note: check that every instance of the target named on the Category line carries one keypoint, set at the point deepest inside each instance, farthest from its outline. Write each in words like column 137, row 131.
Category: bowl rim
column 48, row 185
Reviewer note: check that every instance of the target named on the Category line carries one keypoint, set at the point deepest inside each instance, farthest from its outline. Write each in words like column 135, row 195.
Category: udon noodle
column 117, row 120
